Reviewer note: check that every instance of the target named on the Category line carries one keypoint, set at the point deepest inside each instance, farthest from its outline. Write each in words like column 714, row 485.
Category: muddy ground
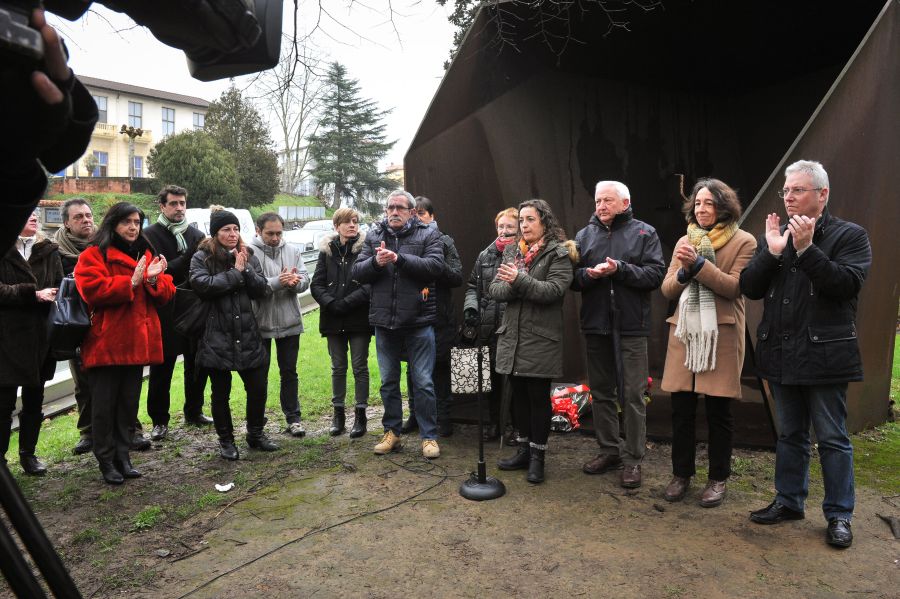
column 327, row 518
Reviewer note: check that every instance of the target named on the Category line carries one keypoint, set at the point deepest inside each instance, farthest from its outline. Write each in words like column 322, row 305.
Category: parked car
column 306, row 240
column 199, row 217
column 319, row 225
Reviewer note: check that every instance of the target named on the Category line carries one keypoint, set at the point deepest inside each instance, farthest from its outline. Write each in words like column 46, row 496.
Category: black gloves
column 471, row 317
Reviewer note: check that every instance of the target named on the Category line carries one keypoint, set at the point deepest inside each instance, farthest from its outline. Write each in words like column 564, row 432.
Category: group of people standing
column 394, row 281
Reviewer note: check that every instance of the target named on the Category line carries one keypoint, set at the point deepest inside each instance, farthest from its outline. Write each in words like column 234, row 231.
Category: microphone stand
column 479, row 486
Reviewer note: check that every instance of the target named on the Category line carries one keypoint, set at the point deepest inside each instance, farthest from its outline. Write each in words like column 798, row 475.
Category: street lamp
column 131, row 132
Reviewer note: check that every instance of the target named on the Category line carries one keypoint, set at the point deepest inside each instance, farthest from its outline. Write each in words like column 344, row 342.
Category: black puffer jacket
column 343, row 301
column 808, row 331
column 398, row 300
column 231, row 339
column 490, row 311
column 635, row 245
column 24, row 350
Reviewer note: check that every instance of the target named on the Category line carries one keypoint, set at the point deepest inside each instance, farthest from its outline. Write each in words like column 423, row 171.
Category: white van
column 199, row 217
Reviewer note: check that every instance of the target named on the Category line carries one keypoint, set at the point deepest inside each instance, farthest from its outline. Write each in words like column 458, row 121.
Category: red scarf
column 526, row 255
column 502, row 242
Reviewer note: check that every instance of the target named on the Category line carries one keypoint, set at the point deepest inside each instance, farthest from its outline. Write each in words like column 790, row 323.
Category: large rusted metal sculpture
column 734, row 90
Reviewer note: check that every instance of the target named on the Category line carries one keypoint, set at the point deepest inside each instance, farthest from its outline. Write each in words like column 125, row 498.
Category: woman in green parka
column 533, row 279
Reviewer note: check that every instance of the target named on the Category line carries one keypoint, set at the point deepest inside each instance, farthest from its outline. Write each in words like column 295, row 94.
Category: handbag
column 190, row 312
column 68, row 321
column 464, row 370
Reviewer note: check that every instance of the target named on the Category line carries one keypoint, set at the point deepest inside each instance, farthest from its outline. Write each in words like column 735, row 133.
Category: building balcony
column 108, row 131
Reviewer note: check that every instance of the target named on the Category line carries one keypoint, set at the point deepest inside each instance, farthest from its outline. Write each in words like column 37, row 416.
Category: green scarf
column 176, row 229
column 69, row 245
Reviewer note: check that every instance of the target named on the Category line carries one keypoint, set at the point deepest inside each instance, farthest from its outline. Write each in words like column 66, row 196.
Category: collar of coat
column 618, row 220
column 327, row 242
column 116, row 256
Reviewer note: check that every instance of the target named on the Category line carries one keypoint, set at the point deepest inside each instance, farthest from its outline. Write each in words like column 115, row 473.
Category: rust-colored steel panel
column 643, row 106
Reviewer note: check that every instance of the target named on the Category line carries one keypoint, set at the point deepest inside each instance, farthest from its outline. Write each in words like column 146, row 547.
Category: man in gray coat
column 278, row 315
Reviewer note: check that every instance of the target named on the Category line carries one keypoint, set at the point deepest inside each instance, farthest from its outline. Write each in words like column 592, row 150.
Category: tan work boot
column 430, row 449
column 389, row 442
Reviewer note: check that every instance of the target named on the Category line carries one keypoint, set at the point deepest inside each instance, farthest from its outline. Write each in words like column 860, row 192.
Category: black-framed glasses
column 397, row 208
column 783, row 193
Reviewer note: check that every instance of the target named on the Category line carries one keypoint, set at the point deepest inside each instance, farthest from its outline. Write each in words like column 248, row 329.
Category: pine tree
column 235, row 124
column 349, row 142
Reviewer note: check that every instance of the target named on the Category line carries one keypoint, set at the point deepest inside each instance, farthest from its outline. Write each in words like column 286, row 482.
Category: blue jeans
column 825, row 406
column 419, row 344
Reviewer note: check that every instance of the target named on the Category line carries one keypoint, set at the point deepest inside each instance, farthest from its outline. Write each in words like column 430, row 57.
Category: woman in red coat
column 122, row 283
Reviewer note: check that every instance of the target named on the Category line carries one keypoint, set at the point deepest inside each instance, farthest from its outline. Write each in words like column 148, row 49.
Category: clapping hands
column 384, row 256
column 289, row 277
column 604, row 269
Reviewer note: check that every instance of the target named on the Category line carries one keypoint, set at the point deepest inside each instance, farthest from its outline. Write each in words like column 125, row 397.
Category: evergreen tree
column 193, row 160
column 236, row 125
column 350, row 141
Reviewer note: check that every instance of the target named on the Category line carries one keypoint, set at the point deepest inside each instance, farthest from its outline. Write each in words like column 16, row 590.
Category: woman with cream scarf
column 706, row 334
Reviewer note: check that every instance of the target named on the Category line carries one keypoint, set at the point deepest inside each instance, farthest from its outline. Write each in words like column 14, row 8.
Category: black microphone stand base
column 480, row 487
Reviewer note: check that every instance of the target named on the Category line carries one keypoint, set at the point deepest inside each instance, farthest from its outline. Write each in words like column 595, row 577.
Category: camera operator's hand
column 54, row 62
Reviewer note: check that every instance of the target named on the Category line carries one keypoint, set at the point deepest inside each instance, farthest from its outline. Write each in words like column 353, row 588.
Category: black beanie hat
column 220, row 218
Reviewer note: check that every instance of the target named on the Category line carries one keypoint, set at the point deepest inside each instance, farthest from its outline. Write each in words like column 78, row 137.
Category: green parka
column 530, row 342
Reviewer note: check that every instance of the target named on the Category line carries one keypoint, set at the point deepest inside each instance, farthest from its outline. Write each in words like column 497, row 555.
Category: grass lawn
column 287, row 199
column 60, row 434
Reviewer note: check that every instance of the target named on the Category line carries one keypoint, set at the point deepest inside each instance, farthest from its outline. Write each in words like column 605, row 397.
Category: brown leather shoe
column 713, row 494
column 677, row 488
column 631, row 476
column 604, row 462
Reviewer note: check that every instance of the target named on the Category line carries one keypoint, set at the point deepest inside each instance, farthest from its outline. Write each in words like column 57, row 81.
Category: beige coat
column 723, row 279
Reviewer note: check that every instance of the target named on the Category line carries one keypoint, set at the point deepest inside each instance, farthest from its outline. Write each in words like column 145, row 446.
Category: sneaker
column 389, row 442
column 430, row 449
column 296, row 429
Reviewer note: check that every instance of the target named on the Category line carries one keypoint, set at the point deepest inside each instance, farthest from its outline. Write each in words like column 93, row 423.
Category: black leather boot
column 110, row 474
column 536, row 466
column 337, row 421
column 257, row 439
column 359, row 423
column 124, row 466
column 518, row 461
column 227, row 448
column 29, row 429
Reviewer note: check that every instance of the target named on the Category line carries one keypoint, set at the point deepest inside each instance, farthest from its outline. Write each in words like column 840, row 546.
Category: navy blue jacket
column 397, row 299
column 807, row 335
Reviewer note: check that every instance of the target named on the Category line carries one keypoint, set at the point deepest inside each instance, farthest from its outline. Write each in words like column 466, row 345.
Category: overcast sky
column 400, row 74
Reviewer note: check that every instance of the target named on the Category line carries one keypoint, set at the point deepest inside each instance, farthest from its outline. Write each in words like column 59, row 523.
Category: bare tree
column 292, row 93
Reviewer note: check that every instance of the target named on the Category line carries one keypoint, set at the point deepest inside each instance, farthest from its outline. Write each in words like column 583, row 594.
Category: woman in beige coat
column 706, row 334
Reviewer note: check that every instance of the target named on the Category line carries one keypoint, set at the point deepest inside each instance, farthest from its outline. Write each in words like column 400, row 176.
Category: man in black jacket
column 809, row 273
column 401, row 259
column 173, row 238
column 621, row 264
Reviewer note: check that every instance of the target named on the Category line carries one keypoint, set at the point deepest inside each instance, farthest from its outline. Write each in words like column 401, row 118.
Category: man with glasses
column 809, row 273
column 401, row 259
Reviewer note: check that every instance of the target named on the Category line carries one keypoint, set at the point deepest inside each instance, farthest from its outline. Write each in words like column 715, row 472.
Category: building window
column 138, row 166
column 135, row 114
column 168, row 121
column 199, row 120
column 101, row 107
column 102, row 164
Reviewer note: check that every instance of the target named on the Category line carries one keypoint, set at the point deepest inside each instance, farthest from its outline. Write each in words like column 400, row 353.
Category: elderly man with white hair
column 809, row 272
column 621, row 264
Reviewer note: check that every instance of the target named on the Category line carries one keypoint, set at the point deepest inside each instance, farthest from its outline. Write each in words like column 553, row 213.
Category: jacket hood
column 325, row 242
column 257, row 242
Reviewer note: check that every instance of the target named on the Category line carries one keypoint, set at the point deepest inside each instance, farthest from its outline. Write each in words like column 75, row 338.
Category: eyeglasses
column 396, row 208
column 795, row 191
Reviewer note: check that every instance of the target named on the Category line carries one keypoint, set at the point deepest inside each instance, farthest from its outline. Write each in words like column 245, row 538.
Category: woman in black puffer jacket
column 225, row 274
column 344, row 317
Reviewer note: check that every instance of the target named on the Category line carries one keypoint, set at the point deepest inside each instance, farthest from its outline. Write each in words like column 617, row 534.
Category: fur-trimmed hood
column 572, row 250
column 325, row 243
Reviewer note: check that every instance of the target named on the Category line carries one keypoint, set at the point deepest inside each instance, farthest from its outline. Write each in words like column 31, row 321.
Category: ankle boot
column 29, row 429
column 124, row 466
column 359, row 423
column 337, row 421
column 110, row 475
column 519, row 461
column 228, row 450
column 536, row 466
column 257, row 439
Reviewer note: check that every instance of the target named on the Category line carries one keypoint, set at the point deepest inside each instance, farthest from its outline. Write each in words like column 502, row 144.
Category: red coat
column 125, row 328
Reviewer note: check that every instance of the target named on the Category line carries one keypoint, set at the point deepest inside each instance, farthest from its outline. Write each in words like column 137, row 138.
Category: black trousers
column 684, row 443
column 256, row 388
column 287, row 350
column 32, row 404
column 115, row 394
column 160, row 384
column 531, row 408
column 82, row 396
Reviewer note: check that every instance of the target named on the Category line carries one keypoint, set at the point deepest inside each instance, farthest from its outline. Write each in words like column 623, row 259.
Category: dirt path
column 308, row 530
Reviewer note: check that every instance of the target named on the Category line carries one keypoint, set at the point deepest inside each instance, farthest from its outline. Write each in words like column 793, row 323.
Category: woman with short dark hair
column 706, row 334
column 122, row 282
column 532, row 279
